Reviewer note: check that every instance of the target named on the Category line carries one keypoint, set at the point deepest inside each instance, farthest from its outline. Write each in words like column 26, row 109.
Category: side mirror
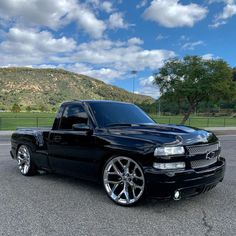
column 82, row 127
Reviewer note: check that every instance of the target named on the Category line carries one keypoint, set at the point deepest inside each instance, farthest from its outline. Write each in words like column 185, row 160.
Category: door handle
column 57, row 138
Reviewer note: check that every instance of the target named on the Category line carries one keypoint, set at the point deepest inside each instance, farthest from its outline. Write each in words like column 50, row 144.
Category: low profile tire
column 24, row 160
column 123, row 181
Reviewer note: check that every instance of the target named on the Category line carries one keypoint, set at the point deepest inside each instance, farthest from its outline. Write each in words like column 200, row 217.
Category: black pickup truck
column 119, row 145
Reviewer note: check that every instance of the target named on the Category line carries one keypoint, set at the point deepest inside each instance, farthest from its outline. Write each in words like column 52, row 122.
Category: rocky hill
column 47, row 88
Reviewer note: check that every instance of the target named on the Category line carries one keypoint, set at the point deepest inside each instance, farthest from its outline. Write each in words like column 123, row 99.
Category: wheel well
column 102, row 164
column 20, row 144
column 17, row 148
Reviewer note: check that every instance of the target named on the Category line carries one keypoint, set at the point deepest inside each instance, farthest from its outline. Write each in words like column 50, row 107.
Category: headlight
column 169, row 151
column 169, row 166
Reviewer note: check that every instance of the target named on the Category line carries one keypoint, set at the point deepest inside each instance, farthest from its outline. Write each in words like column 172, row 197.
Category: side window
column 73, row 114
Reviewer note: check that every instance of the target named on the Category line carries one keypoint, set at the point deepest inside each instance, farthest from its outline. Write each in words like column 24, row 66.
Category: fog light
column 177, row 195
column 169, row 166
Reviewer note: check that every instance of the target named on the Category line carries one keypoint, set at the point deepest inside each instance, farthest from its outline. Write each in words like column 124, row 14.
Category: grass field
column 10, row 121
column 196, row 121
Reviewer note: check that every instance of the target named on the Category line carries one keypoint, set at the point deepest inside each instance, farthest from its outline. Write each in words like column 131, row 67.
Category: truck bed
column 37, row 135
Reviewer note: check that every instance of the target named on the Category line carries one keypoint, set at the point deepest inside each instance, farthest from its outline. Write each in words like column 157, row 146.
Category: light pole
column 159, row 106
column 134, row 73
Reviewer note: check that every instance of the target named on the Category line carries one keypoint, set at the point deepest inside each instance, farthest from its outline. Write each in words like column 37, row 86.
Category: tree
column 42, row 108
column 15, row 108
column 234, row 74
column 28, row 109
column 194, row 79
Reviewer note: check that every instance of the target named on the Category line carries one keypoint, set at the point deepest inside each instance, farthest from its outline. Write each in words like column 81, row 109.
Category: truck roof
column 95, row 101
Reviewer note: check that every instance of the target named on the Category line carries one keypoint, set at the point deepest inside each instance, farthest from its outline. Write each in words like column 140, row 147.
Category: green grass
column 26, row 114
column 10, row 121
column 196, row 121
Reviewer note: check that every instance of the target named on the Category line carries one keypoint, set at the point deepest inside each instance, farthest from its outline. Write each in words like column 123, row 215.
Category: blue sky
column 109, row 39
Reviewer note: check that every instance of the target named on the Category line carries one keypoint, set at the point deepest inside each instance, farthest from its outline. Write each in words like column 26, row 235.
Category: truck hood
column 166, row 134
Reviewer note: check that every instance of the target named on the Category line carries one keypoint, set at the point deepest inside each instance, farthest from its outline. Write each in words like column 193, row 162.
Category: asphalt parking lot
column 50, row 204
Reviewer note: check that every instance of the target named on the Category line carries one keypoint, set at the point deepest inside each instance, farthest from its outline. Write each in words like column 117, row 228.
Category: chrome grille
column 202, row 149
column 203, row 163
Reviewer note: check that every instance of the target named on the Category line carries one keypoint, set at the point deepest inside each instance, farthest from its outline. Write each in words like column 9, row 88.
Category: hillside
column 49, row 87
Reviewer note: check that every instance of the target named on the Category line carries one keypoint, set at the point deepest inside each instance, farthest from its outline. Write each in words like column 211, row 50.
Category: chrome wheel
column 123, row 180
column 23, row 159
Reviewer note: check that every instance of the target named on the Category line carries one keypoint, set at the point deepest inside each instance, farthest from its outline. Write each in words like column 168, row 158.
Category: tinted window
column 73, row 114
column 118, row 113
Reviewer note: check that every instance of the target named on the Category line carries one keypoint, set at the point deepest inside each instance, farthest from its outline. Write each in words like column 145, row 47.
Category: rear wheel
column 123, row 180
column 24, row 160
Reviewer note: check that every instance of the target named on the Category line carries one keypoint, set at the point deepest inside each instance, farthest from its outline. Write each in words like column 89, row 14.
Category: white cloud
column 121, row 55
column 229, row 11
column 42, row 12
column 116, row 21
column 104, row 74
column 184, row 38
column 88, row 22
column 147, row 87
column 192, row 45
column 216, row 24
column 107, row 6
column 208, row 56
column 171, row 13
column 26, row 46
column 53, row 14
column 137, row 41
column 161, row 37
column 141, row 4
column 103, row 59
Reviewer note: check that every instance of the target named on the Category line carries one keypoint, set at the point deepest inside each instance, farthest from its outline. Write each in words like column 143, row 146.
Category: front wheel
column 123, row 180
column 24, row 160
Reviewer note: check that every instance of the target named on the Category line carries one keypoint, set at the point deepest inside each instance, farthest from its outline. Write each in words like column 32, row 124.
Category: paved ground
column 223, row 130
column 50, row 204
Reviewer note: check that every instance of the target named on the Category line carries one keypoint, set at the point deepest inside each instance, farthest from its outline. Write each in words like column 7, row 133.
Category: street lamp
column 159, row 106
column 134, row 73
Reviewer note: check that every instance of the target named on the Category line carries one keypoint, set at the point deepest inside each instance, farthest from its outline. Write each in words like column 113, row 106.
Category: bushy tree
column 28, row 109
column 234, row 74
column 42, row 108
column 15, row 108
column 194, row 79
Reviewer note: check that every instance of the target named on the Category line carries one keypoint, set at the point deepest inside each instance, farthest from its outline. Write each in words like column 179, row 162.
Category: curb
column 226, row 132
column 6, row 133
column 222, row 130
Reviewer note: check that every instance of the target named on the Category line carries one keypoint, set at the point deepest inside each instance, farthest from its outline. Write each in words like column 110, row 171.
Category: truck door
column 72, row 152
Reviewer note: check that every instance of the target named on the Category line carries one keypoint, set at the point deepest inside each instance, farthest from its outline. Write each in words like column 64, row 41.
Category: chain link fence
column 11, row 123
column 202, row 122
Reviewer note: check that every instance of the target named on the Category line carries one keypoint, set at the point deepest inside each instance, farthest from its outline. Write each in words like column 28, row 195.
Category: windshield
column 115, row 114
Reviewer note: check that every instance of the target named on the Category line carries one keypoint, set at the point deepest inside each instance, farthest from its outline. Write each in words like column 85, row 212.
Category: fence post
column 208, row 120
column 169, row 119
column 189, row 122
column 224, row 122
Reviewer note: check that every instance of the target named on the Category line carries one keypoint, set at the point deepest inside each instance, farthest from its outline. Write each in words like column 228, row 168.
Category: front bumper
column 163, row 183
